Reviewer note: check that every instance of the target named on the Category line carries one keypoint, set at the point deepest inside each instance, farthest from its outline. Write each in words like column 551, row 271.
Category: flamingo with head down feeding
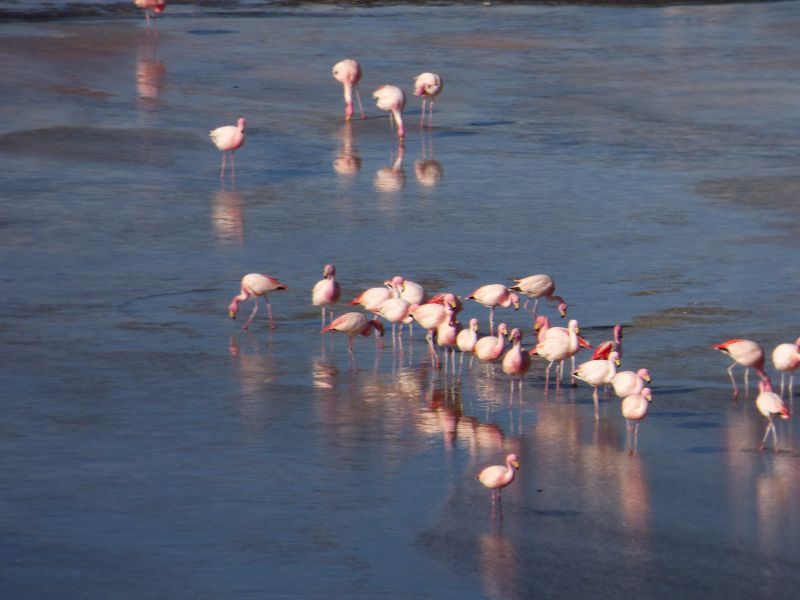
column 746, row 353
column 348, row 73
column 427, row 85
column 537, row 287
column 392, row 99
column 352, row 324
column 770, row 405
column 255, row 285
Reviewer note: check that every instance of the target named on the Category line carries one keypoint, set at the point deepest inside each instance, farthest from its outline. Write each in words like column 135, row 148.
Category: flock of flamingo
column 402, row 302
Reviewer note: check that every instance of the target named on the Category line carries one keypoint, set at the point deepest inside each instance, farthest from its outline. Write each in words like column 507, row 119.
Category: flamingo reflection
column 499, row 565
column 227, row 216
column 347, row 162
column 429, row 172
column 391, row 179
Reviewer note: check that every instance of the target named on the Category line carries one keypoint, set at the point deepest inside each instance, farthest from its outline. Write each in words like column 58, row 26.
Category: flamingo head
column 376, row 325
column 573, row 326
column 647, row 395
column 328, row 271
column 241, row 123
column 233, row 308
column 515, row 335
column 618, row 333
column 541, row 322
column 562, row 309
column 473, row 324
column 512, row 460
column 644, row 374
column 502, row 330
column 514, row 300
column 614, row 358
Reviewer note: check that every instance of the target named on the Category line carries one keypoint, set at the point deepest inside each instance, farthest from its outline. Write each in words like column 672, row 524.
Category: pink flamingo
column 466, row 340
column 770, row 405
column 540, row 286
column 348, row 73
column 634, row 409
column 745, row 353
column 516, row 362
column 228, row 139
column 597, row 373
column 394, row 310
column 557, row 347
column 446, row 336
column 427, row 85
column 786, row 359
column 151, row 6
column 392, row 99
column 605, row 348
column 372, row 297
column 255, row 285
column 411, row 292
column 490, row 348
column 430, row 316
column 326, row 291
column 493, row 295
column 628, row 383
column 496, row 477
column 352, row 324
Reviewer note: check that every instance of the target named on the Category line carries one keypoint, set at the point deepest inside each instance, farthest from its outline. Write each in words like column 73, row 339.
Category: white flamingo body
column 537, row 287
column 428, row 86
column 597, row 373
column 392, row 99
column 770, row 405
column 255, row 285
column 748, row 354
column 326, row 291
column 786, row 359
column 371, row 298
column 353, row 324
column 228, row 138
column 557, row 347
column 634, row 409
column 628, row 383
column 492, row 296
column 496, row 477
column 490, row 348
column 348, row 73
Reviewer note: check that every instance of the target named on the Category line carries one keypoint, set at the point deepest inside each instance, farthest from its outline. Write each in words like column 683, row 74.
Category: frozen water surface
column 645, row 157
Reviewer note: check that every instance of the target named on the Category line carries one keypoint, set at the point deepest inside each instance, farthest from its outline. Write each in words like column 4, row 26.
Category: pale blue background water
column 644, row 157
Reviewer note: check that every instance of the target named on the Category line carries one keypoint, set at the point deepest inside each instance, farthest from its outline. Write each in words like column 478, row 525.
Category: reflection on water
column 227, row 216
column 150, row 75
column 427, row 170
column 391, row 179
column 348, row 162
column 499, row 565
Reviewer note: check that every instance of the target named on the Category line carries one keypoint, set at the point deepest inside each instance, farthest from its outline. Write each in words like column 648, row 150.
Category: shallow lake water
column 646, row 158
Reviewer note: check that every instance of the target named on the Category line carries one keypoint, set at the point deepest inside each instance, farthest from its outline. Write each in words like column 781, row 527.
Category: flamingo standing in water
column 597, row 373
column 746, row 353
column 326, row 291
column 541, row 325
column 786, row 359
column 430, row 316
column 348, row 73
column 394, row 310
column 490, row 348
column 228, row 139
column 371, row 298
column 496, row 477
column 493, row 295
column 770, row 405
column 466, row 340
column 540, row 286
column 156, row 7
column 516, row 362
column 634, row 409
column 393, row 100
column 255, row 285
column 557, row 347
column 352, row 324
column 427, row 85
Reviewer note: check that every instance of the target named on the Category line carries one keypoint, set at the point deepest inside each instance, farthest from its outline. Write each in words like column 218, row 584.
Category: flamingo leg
column 733, row 381
column 233, row 164
column 491, row 320
column 252, row 314
column 636, row 438
column 323, row 317
column 766, row 434
column 596, row 404
column 774, row 436
column 628, row 436
column 422, row 116
column 746, row 383
column 269, row 311
column 430, row 114
column 358, row 97
column 783, row 376
column 791, row 385
column 222, row 168
column 547, row 376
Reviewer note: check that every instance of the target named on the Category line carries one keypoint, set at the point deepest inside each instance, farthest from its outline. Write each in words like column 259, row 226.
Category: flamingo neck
column 398, row 118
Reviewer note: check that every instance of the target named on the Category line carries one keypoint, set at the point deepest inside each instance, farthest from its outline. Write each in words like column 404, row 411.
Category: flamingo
column 556, row 347
column 430, row 316
column 394, row 310
column 151, row 6
column 392, row 99
column 786, row 359
column 348, row 73
column 605, row 348
column 326, row 291
column 427, row 85
column 597, row 373
column 372, row 297
column 516, row 362
column 490, row 348
column 493, row 295
column 446, row 335
column 496, row 477
column 628, row 383
column 466, row 340
column 745, row 353
column 542, row 325
column 634, row 409
column 411, row 292
column 255, row 285
column 352, row 324
column 540, row 286
column 770, row 405
column 228, row 138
